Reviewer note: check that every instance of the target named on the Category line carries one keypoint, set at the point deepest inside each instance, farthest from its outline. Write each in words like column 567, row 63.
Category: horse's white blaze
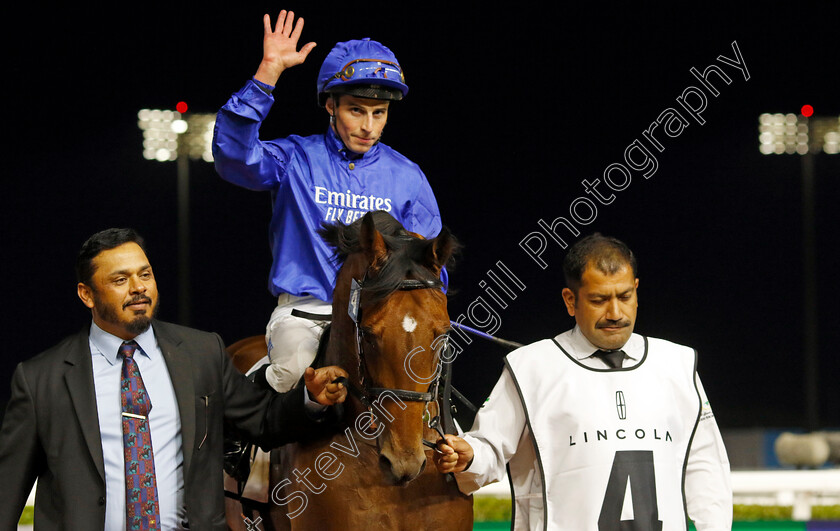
column 409, row 324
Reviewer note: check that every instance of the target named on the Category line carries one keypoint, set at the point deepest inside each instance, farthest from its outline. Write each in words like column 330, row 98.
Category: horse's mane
column 344, row 238
column 406, row 257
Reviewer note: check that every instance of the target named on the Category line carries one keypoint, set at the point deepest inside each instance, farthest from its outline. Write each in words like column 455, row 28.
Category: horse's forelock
column 406, row 259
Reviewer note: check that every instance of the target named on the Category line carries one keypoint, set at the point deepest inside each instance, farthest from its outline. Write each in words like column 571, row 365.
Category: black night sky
column 509, row 111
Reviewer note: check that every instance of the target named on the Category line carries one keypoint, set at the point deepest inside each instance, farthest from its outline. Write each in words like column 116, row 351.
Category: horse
column 388, row 331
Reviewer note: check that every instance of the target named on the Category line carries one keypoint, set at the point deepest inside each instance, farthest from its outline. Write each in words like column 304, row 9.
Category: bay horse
column 371, row 471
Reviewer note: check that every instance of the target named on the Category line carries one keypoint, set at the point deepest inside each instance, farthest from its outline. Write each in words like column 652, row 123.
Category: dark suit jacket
column 51, row 429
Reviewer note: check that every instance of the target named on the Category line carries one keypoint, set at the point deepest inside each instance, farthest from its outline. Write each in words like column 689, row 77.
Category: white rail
column 798, row 488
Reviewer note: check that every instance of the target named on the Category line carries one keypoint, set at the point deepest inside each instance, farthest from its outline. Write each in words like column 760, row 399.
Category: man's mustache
column 624, row 323
column 137, row 299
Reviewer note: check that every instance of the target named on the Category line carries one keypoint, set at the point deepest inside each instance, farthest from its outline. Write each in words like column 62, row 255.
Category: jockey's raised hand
column 280, row 47
column 456, row 457
column 320, row 384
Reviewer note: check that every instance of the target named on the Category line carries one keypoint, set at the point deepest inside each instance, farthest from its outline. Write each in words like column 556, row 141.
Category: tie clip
column 132, row 415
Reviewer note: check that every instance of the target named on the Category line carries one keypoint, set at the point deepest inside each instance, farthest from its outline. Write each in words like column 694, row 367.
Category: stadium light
column 807, row 136
column 790, row 133
column 179, row 136
column 166, row 134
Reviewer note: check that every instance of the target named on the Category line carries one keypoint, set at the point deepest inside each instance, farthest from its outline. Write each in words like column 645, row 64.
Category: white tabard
column 600, row 446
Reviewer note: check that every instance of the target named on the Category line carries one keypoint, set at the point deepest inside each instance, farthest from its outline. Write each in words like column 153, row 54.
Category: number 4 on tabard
column 635, row 468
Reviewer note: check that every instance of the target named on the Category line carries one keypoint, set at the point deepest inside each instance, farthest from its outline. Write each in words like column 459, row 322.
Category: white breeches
column 292, row 341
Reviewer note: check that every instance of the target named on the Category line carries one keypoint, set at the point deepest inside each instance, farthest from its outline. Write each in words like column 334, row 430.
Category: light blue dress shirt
column 164, row 422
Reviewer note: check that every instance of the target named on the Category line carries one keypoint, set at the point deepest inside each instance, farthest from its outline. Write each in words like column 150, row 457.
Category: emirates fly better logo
column 620, row 405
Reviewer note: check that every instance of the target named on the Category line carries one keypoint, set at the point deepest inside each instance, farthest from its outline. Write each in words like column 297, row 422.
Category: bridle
column 367, row 395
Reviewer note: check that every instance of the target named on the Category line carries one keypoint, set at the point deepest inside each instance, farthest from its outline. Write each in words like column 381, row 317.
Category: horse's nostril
column 399, row 472
column 384, row 462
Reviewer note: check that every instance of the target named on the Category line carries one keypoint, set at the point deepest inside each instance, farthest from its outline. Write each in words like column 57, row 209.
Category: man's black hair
column 102, row 241
column 608, row 255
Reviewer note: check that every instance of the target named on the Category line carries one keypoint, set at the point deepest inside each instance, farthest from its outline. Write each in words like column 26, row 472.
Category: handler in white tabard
column 599, row 426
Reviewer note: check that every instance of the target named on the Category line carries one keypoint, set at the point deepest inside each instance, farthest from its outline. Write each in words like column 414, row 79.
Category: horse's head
column 392, row 350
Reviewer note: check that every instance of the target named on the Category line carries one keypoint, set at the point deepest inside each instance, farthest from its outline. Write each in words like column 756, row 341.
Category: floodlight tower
column 805, row 135
column 177, row 136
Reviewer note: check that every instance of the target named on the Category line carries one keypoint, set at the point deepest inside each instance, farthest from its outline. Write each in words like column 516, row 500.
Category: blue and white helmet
column 362, row 68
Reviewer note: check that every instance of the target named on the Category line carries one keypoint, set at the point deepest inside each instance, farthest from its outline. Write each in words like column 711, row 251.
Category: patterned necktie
column 612, row 358
column 141, row 497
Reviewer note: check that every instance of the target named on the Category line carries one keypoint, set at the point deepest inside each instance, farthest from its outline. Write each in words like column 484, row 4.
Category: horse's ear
column 372, row 242
column 440, row 250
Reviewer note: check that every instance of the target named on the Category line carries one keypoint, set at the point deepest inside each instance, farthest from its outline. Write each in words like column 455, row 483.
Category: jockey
column 334, row 176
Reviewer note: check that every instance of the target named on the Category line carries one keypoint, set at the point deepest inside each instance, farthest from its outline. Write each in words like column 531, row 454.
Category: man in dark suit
column 66, row 420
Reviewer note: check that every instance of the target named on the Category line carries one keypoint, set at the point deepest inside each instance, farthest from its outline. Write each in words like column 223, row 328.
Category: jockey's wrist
column 265, row 87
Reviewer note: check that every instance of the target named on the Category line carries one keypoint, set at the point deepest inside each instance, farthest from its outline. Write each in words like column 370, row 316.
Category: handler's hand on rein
column 457, row 455
column 319, row 383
